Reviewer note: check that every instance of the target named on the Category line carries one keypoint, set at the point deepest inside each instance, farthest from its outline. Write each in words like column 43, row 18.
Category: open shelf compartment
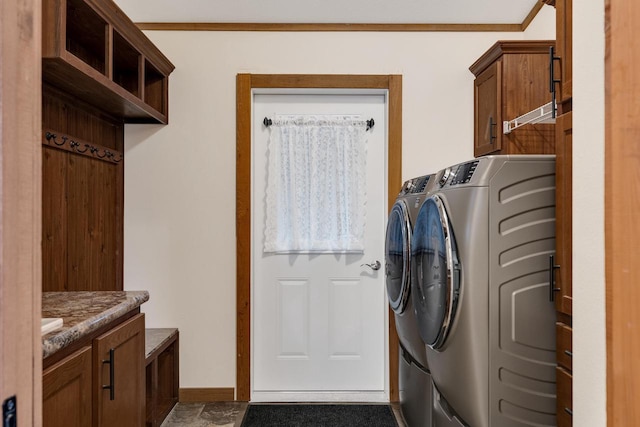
column 155, row 87
column 86, row 35
column 126, row 65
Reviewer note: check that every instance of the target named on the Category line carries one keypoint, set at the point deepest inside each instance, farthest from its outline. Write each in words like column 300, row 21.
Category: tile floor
column 222, row 414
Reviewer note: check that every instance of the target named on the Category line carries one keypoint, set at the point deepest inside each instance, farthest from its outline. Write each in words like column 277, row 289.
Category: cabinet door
column 564, row 10
column 487, row 120
column 66, row 391
column 564, row 410
column 563, row 212
column 119, row 365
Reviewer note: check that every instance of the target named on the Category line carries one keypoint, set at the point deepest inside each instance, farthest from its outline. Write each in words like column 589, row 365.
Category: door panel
column 66, row 390
column 125, row 407
column 564, row 153
column 319, row 320
column 488, row 132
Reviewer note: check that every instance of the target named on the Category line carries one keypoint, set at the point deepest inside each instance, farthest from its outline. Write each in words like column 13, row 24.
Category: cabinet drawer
column 564, row 405
column 564, row 352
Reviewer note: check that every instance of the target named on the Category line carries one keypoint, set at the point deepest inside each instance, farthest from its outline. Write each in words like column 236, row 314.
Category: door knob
column 375, row 266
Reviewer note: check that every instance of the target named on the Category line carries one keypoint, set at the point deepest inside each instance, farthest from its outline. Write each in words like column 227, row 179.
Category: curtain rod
column 268, row 122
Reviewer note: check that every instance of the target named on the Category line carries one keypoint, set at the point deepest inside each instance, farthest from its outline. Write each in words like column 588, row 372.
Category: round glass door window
column 435, row 272
column 397, row 256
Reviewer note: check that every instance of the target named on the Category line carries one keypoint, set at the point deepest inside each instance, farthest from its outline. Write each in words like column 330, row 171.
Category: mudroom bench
column 162, row 373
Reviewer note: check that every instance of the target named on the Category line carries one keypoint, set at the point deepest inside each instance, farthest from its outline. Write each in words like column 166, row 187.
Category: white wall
column 589, row 335
column 180, row 179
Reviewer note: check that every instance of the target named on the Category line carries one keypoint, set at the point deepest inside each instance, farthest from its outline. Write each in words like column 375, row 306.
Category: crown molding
column 337, row 27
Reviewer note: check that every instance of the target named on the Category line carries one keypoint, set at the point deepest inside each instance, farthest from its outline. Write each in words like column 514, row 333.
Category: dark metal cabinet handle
column 492, row 133
column 552, row 281
column 568, row 353
column 112, row 374
column 568, row 411
column 552, row 80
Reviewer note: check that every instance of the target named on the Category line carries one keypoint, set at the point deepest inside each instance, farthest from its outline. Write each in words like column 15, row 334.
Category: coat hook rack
column 268, row 122
column 81, row 147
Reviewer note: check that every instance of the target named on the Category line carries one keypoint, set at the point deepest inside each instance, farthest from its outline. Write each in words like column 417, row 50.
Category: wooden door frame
column 20, row 208
column 622, row 232
column 245, row 83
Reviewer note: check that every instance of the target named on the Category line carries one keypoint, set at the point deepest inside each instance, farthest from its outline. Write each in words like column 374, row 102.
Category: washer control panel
column 415, row 185
column 463, row 172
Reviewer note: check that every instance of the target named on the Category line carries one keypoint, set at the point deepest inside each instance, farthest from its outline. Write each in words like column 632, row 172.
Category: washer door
column 435, row 272
column 398, row 256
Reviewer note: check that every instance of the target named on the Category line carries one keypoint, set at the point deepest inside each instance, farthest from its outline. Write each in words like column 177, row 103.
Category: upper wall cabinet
column 93, row 51
column 563, row 55
column 512, row 79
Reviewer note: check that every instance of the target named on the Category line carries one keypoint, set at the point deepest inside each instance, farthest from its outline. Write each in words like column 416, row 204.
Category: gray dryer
column 480, row 287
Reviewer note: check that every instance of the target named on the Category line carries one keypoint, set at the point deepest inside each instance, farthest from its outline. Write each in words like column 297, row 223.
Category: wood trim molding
column 502, row 47
column 532, row 14
column 622, row 202
column 218, row 394
column 326, row 27
column 344, row 27
column 21, row 208
column 394, row 181
column 244, row 85
column 243, row 237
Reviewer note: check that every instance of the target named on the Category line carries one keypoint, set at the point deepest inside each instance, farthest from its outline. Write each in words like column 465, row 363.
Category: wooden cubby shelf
column 162, row 373
column 92, row 51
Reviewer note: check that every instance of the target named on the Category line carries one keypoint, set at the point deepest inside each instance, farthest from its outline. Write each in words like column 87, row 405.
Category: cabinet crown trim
column 502, row 47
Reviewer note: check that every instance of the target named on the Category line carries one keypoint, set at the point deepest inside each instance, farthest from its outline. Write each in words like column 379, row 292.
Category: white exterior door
column 319, row 321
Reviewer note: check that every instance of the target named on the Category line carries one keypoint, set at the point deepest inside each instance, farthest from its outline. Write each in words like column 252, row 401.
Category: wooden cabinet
column 563, row 69
column 562, row 74
column 512, row 78
column 94, row 52
column 66, row 391
column 564, row 408
column 564, row 378
column 563, row 257
column 119, row 375
column 99, row 71
column 100, row 385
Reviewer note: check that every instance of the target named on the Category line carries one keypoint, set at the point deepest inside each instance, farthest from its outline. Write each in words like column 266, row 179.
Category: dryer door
column 397, row 256
column 435, row 272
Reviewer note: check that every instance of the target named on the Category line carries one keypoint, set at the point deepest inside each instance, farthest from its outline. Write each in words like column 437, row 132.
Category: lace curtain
column 316, row 192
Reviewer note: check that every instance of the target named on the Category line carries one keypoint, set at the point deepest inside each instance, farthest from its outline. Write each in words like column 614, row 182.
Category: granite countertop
column 84, row 312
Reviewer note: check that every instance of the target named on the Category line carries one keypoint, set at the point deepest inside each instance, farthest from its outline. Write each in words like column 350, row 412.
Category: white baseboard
column 326, row 396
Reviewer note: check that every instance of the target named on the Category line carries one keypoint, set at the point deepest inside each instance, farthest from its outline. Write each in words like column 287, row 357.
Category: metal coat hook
column 370, row 123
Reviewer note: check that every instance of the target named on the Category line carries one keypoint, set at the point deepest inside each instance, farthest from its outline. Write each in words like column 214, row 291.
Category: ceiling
column 330, row 11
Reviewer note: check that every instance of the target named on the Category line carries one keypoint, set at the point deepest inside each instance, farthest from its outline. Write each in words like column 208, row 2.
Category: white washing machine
column 480, row 286
column 414, row 377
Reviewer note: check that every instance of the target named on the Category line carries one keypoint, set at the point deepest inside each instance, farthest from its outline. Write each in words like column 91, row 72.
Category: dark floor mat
column 260, row 415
